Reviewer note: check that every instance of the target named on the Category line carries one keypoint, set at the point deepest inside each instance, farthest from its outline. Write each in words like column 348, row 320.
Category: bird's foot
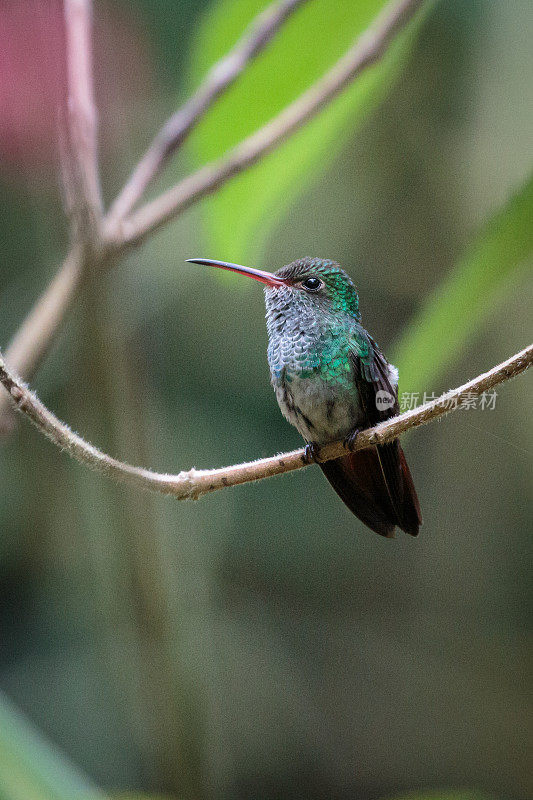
column 349, row 441
column 311, row 451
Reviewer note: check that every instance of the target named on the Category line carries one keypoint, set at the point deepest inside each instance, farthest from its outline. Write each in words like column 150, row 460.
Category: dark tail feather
column 377, row 487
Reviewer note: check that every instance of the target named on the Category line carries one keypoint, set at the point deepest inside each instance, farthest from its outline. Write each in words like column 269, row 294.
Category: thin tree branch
column 82, row 116
column 38, row 330
column 194, row 483
column 367, row 50
column 222, row 75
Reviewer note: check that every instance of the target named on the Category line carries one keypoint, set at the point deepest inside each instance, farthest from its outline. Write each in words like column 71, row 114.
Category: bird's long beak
column 256, row 274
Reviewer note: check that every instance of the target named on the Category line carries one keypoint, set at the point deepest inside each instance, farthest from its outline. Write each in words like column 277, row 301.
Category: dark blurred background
column 261, row 643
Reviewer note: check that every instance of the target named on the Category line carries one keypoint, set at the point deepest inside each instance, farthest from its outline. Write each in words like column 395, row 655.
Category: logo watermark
column 384, row 400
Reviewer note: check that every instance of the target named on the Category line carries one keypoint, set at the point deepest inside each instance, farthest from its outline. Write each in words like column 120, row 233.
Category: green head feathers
column 318, row 283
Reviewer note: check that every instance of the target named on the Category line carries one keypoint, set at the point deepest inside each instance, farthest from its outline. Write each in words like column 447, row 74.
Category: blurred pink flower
column 32, row 79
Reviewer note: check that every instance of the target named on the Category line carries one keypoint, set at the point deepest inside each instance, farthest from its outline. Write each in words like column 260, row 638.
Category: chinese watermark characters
column 486, row 401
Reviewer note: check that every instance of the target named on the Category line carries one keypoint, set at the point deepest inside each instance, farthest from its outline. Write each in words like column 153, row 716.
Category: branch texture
column 194, row 483
column 367, row 50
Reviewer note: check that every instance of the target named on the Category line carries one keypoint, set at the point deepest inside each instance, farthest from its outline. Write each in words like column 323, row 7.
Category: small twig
column 194, row 483
column 82, row 116
column 218, row 80
column 366, row 50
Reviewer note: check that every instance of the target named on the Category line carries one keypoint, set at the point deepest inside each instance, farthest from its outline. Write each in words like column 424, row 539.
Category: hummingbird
column 331, row 381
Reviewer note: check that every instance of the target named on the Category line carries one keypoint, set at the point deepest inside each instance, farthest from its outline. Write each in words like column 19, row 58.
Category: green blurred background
column 262, row 643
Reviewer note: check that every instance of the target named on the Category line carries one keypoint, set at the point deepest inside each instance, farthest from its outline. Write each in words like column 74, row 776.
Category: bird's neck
column 305, row 345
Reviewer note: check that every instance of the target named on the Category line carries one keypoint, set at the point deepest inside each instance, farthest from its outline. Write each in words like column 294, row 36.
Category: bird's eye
column 312, row 284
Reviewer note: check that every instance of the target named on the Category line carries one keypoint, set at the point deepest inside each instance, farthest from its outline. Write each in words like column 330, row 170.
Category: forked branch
column 219, row 79
column 194, row 483
column 365, row 51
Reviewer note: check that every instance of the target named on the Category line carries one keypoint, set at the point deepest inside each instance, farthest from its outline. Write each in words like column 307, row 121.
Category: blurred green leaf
column 242, row 214
column 32, row 768
column 458, row 307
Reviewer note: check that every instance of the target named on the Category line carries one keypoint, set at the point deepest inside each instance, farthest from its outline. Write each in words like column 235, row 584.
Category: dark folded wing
column 378, row 392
